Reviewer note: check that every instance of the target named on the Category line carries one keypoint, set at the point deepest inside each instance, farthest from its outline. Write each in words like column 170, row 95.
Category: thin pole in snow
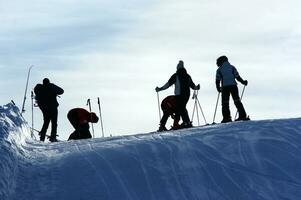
column 100, row 115
column 89, row 104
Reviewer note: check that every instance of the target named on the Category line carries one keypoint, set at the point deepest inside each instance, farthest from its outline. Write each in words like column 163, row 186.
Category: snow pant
column 82, row 132
column 49, row 115
column 181, row 110
column 233, row 90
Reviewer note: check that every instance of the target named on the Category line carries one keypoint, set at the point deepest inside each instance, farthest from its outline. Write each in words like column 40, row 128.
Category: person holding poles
column 226, row 84
column 183, row 83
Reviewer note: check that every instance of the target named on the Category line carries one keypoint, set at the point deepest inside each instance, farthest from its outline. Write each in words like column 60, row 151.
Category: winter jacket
column 227, row 73
column 182, row 81
column 80, row 116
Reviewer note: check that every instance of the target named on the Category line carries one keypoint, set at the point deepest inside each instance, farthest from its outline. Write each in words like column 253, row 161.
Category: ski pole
column 216, row 108
column 32, row 122
column 202, row 111
column 242, row 94
column 24, row 98
column 194, row 106
column 89, row 104
column 195, row 97
column 100, row 116
column 158, row 99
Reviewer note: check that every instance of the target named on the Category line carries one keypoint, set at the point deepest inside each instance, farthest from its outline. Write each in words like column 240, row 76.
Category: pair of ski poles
column 100, row 116
column 242, row 93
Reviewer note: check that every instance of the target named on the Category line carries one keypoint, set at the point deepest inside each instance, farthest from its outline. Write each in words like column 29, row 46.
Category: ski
column 24, row 98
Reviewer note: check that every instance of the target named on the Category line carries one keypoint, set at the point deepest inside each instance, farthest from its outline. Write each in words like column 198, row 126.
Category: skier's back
column 226, row 75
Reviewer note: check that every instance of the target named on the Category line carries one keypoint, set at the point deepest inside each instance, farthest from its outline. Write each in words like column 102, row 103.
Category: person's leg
column 46, row 118
column 225, row 104
column 54, row 114
column 184, row 112
column 237, row 102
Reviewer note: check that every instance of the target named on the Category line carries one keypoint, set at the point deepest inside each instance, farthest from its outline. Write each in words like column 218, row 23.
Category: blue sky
column 121, row 50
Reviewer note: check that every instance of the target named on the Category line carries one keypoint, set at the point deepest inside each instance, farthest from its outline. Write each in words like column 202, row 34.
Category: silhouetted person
column 183, row 83
column 46, row 94
column 80, row 118
column 226, row 75
column 169, row 108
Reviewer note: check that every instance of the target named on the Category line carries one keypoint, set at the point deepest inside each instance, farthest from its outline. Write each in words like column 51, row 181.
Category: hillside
column 240, row 160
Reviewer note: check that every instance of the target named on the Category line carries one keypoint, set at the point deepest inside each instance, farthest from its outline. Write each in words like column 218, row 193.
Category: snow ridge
column 240, row 160
column 13, row 131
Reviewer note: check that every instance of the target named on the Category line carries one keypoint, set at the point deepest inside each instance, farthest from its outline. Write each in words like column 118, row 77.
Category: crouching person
column 80, row 118
column 169, row 108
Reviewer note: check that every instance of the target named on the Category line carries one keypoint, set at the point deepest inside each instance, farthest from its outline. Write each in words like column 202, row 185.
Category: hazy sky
column 121, row 50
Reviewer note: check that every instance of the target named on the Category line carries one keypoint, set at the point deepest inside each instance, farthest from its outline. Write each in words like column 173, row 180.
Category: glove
column 158, row 89
column 218, row 88
column 197, row 87
column 245, row 82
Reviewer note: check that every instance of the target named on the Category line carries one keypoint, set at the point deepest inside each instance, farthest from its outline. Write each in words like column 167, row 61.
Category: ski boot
column 247, row 118
column 162, row 128
column 226, row 120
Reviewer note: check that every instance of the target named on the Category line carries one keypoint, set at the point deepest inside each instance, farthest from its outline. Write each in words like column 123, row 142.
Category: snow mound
column 13, row 133
column 240, row 160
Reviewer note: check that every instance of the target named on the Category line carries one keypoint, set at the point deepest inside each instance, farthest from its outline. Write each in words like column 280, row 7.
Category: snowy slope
column 241, row 160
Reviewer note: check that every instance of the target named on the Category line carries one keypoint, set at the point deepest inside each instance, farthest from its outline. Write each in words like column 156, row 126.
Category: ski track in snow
column 240, row 160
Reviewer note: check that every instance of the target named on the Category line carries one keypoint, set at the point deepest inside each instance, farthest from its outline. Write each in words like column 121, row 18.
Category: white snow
column 235, row 161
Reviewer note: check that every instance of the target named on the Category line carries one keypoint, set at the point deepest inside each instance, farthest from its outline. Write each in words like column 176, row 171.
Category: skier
column 80, row 118
column 183, row 83
column 226, row 75
column 45, row 95
column 168, row 107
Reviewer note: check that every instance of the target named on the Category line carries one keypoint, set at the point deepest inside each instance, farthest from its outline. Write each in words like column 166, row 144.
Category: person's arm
column 218, row 79
column 238, row 77
column 170, row 82
column 56, row 89
column 192, row 85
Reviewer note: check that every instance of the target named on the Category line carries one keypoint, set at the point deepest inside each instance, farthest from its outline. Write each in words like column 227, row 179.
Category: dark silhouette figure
column 80, row 118
column 226, row 75
column 169, row 108
column 45, row 95
column 183, row 83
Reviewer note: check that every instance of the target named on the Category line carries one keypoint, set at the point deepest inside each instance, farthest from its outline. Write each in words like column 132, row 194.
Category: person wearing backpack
column 183, row 82
column 45, row 95
column 226, row 74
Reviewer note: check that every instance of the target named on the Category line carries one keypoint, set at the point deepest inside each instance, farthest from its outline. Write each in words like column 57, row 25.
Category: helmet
column 221, row 60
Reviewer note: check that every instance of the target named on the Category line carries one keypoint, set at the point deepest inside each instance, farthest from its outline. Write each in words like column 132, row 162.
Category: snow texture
column 255, row 160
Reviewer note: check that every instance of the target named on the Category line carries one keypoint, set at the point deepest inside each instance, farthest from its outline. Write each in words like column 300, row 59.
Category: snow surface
column 241, row 160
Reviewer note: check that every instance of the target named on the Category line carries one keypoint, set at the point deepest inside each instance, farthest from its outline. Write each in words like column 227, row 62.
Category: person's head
column 46, row 81
column 180, row 65
column 221, row 60
column 94, row 117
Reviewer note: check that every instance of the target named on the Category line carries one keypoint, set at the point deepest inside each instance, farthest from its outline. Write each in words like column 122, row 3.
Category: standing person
column 169, row 108
column 183, row 83
column 226, row 75
column 80, row 118
column 46, row 94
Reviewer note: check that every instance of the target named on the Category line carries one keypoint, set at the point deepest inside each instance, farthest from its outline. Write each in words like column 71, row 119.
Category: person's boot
column 42, row 137
column 246, row 118
column 162, row 128
column 226, row 120
column 186, row 125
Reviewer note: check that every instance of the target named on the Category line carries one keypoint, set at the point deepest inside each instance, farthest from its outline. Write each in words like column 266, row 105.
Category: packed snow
column 235, row 161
